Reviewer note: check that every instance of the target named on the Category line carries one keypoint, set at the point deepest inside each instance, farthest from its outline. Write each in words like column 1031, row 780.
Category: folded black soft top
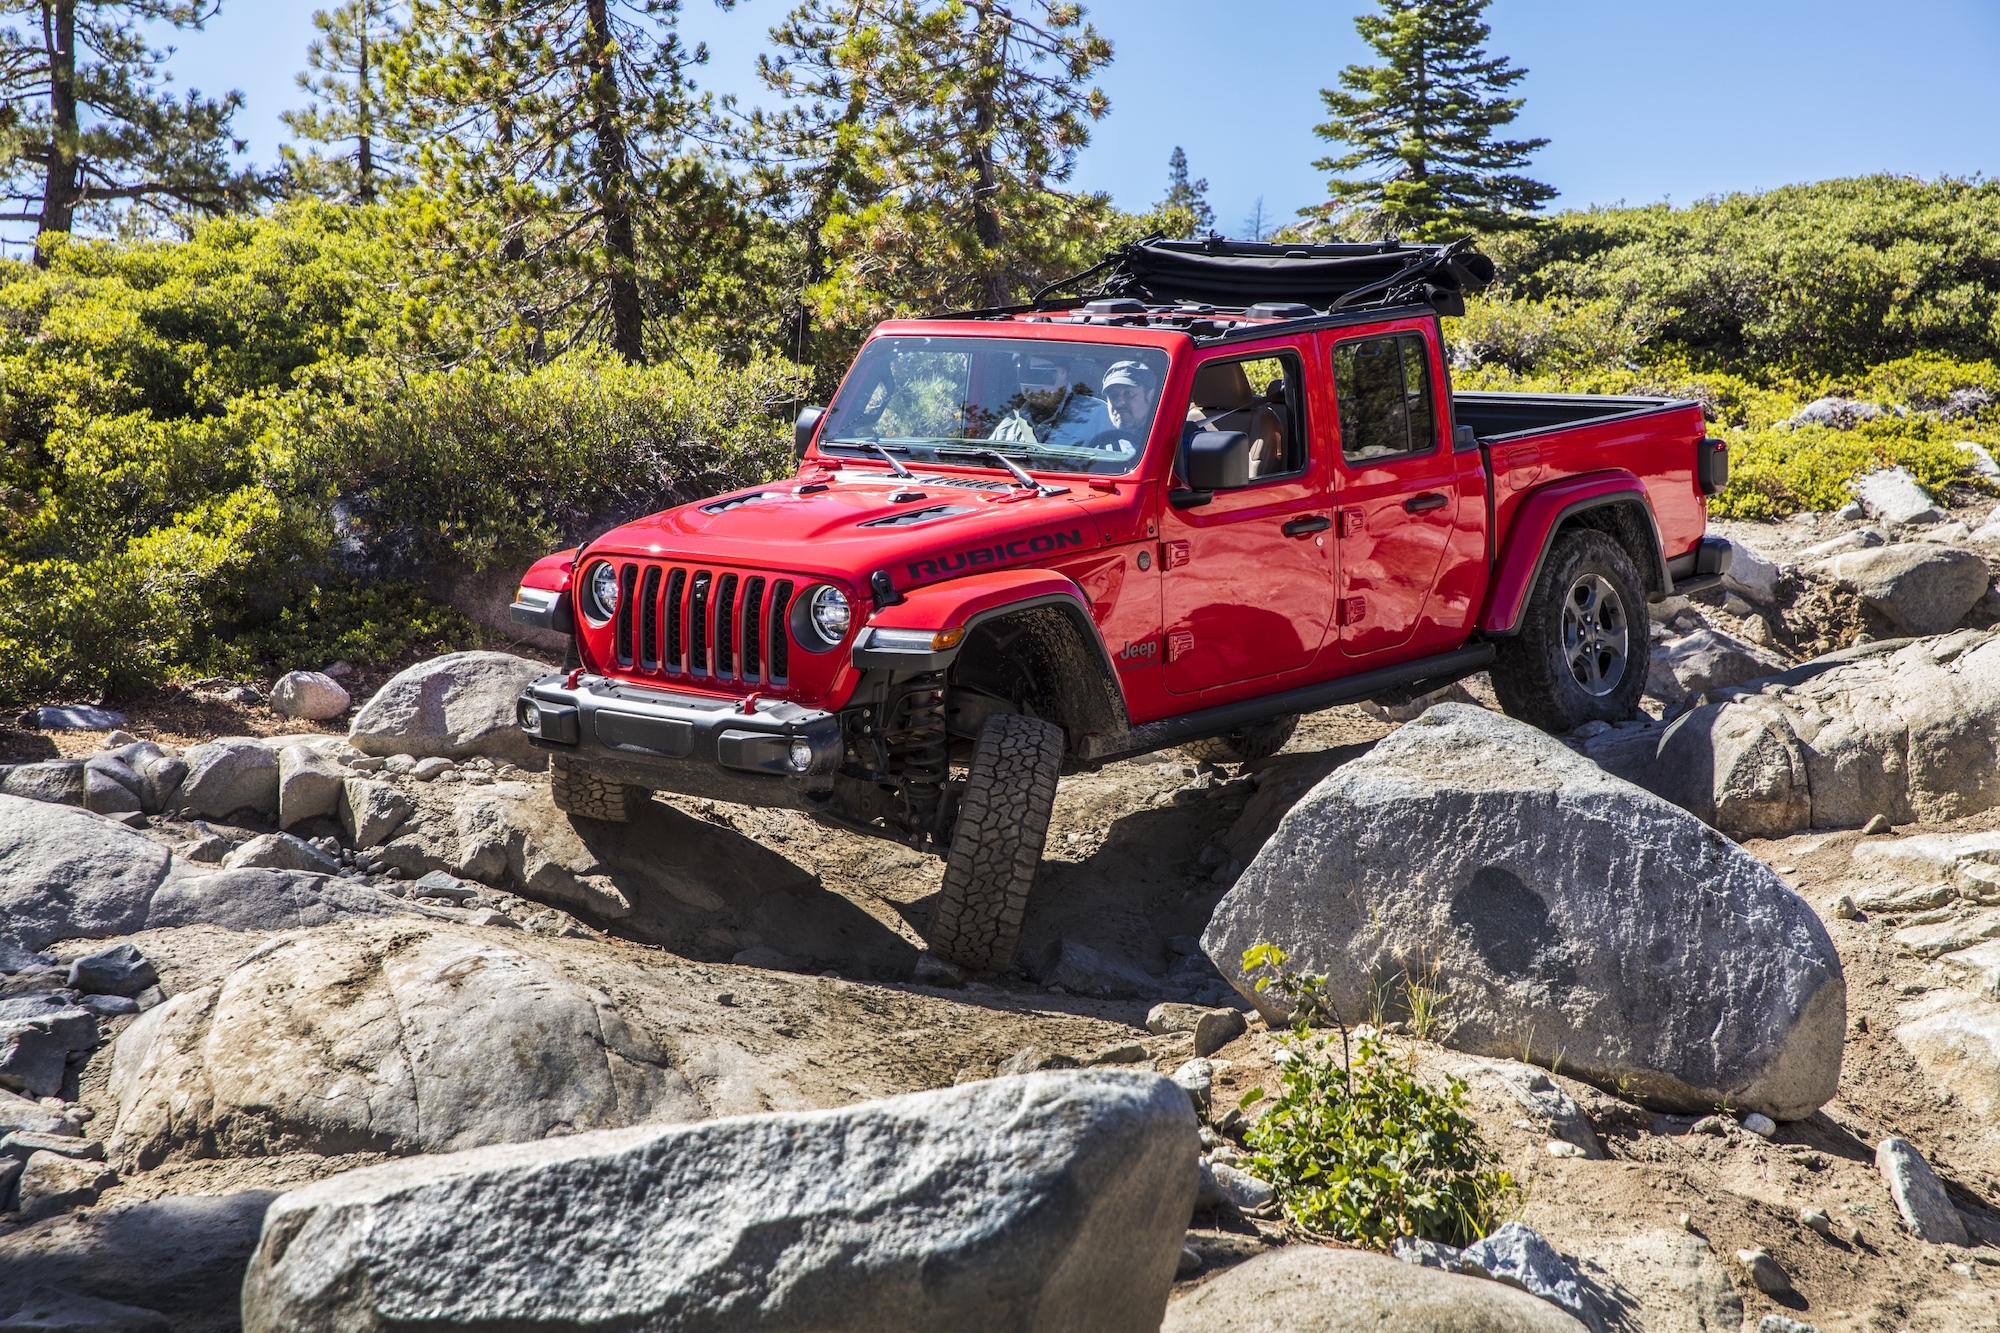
column 1240, row 274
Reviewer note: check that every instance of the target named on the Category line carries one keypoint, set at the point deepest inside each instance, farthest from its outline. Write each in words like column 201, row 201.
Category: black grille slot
column 753, row 629
column 780, row 633
column 725, row 626
column 649, row 619
column 698, row 623
column 676, row 638
column 621, row 636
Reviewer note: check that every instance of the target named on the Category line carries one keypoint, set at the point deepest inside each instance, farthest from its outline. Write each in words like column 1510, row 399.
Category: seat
column 1223, row 400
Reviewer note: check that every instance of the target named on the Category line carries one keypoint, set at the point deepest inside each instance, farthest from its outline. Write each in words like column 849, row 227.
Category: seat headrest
column 1221, row 386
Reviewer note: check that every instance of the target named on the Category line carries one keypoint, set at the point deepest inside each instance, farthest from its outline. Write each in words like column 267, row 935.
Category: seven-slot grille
column 703, row 624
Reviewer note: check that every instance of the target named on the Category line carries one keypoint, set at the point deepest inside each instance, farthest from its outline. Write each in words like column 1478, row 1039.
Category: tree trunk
column 59, row 184
column 986, row 179
column 612, row 167
column 364, row 162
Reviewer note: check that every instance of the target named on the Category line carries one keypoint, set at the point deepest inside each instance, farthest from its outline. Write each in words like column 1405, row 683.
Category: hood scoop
column 911, row 518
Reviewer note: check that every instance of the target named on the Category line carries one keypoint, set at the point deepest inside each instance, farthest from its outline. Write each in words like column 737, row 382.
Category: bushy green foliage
column 1357, row 1146
column 360, row 621
column 478, row 466
column 207, row 439
column 1823, row 279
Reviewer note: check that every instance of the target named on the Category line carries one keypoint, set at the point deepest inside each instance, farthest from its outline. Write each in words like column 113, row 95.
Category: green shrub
column 361, row 621
column 479, row 466
column 1777, row 472
column 1356, row 1146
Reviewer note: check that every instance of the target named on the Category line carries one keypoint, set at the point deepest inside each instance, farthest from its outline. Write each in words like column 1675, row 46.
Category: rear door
column 1395, row 487
column 1246, row 583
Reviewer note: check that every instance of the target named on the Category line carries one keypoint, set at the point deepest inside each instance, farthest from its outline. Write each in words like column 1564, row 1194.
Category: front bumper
column 778, row 754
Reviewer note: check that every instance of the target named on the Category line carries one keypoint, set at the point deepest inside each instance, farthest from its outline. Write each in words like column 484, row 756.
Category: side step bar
column 1169, row 732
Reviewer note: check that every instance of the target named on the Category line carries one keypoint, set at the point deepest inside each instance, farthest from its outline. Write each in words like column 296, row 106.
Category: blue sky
column 1644, row 99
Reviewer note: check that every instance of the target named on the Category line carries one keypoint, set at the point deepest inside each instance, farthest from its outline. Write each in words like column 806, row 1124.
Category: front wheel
column 996, row 842
column 1581, row 655
column 578, row 791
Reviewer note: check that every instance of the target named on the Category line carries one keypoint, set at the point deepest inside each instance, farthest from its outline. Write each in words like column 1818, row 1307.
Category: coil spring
column 917, row 753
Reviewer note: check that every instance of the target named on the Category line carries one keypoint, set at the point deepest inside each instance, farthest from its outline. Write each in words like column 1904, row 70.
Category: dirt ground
column 1140, row 853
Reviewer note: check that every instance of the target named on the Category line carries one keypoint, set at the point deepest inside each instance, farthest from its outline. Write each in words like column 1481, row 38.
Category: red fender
column 955, row 604
column 1533, row 533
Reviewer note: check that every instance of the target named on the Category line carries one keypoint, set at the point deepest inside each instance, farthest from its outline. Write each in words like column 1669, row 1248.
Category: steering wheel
column 1107, row 442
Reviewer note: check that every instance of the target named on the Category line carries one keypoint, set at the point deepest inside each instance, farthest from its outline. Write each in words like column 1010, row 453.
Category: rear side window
column 1383, row 386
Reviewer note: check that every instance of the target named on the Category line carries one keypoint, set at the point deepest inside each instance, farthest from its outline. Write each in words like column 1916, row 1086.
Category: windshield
column 1055, row 406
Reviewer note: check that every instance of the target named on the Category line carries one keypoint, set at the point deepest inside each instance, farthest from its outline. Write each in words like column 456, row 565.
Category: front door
column 1246, row 585
column 1396, row 491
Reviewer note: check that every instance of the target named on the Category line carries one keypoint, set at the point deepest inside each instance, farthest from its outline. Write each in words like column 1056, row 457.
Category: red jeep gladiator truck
column 1226, row 485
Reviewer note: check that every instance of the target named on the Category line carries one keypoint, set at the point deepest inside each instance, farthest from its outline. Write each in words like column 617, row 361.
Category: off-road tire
column 996, row 843
column 1259, row 741
column 578, row 791
column 1533, row 674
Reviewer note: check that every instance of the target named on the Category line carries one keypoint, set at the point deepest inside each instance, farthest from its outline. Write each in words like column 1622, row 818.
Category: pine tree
column 346, row 85
column 1186, row 201
column 1423, row 121
column 557, row 140
column 86, row 122
column 944, row 128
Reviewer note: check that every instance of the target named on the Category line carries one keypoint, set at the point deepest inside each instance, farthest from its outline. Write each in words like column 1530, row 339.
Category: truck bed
column 1501, row 416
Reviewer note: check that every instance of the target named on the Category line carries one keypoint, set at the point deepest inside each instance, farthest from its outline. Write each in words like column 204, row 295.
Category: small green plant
column 1355, row 1146
column 1425, row 1001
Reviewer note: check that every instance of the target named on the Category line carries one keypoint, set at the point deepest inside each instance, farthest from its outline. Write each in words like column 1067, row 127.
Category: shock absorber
column 918, row 753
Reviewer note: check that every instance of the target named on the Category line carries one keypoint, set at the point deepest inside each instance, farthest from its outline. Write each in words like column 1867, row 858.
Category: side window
column 1383, row 386
column 1261, row 396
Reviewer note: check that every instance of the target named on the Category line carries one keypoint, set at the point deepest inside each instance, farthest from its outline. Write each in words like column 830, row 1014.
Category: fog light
column 802, row 754
column 531, row 719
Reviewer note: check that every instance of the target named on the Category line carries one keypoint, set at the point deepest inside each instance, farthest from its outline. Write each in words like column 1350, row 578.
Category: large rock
column 229, row 775
column 1905, row 729
column 312, row 695
column 280, row 851
column 184, row 1256
column 52, row 1183
column 1753, row 574
column 159, row 773
column 1051, row 1201
column 1892, row 496
column 263, row 900
column 1922, row 587
column 1702, row 661
column 1307, row 1289
column 53, row 781
column 309, row 785
column 456, row 705
column 69, row 874
column 371, row 811
column 1568, row 914
column 393, row 1037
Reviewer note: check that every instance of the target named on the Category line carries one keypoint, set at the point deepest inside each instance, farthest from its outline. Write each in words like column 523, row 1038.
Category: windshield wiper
column 880, row 450
column 1021, row 476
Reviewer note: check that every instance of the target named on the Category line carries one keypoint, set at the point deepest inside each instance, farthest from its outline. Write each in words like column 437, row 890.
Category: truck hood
column 853, row 522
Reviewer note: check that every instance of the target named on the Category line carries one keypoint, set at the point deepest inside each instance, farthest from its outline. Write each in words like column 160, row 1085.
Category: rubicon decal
column 980, row 556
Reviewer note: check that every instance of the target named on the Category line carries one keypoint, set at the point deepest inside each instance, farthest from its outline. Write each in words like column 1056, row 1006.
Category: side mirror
column 1464, row 440
column 1218, row 460
column 803, row 428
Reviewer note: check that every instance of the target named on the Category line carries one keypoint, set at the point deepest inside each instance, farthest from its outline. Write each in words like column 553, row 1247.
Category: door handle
column 1423, row 504
column 1300, row 527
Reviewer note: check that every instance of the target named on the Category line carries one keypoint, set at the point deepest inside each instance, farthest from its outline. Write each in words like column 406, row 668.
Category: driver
column 1128, row 392
column 1068, row 415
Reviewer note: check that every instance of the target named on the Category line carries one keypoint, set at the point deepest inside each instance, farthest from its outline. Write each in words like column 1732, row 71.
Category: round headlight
column 801, row 754
column 601, row 587
column 830, row 614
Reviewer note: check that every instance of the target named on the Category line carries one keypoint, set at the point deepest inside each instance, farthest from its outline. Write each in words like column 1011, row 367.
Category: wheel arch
column 1616, row 506
column 1028, row 639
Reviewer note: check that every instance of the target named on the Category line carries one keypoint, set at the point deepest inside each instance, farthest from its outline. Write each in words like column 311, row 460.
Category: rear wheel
column 1581, row 655
column 1258, row 741
column 996, row 842
column 577, row 791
